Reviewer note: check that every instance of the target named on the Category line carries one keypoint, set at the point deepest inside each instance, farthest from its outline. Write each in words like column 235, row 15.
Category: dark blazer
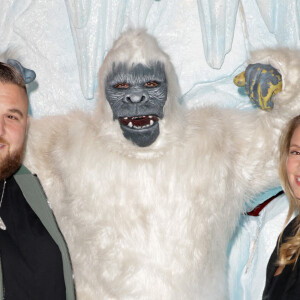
column 34, row 194
column 287, row 284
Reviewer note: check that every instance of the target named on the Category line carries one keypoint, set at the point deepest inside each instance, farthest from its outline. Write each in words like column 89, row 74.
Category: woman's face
column 293, row 163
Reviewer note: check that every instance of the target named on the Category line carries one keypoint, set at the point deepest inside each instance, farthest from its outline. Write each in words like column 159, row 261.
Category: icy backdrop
column 65, row 41
column 209, row 41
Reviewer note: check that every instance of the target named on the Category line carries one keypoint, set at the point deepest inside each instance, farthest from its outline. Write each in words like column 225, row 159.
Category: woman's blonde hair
column 289, row 251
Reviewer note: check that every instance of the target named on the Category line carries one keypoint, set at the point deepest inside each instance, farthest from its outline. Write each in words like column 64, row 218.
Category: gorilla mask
column 137, row 95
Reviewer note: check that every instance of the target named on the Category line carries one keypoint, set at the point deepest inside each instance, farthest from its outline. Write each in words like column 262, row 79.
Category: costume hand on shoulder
column 261, row 83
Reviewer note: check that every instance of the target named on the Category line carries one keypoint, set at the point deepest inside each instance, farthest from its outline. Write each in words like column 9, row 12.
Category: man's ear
column 27, row 124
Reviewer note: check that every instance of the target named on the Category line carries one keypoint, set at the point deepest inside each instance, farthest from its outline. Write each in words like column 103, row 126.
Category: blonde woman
column 283, row 271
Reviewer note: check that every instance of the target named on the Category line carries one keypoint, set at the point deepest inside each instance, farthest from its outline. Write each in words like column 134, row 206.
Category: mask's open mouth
column 139, row 122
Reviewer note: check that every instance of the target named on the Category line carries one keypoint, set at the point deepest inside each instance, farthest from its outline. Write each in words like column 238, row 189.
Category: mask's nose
column 136, row 97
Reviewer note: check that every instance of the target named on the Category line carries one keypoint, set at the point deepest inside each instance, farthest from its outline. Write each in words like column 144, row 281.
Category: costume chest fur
column 147, row 226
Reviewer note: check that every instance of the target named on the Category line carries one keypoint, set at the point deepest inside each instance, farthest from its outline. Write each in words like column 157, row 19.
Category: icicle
column 139, row 10
column 94, row 31
column 298, row 16
column 79, row 11
column 92, row 37
column 280, row 18
column 217, row 18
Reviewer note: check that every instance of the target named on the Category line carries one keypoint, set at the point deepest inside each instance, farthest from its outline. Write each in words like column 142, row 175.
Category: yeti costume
column 153, row 221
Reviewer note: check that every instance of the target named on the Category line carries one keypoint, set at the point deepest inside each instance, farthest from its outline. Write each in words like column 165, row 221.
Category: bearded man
column 34, row 261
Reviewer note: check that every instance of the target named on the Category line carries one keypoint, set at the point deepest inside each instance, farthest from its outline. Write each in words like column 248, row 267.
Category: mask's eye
column 151, row 84
column 122, row 85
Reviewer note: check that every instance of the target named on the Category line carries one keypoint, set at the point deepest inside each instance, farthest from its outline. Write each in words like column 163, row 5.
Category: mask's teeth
column 139, row 122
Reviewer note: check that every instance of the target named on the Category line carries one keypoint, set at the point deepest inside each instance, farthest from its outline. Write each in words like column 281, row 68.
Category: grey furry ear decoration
column 27, row 74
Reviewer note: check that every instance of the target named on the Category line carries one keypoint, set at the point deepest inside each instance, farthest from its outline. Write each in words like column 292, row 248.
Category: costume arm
column 261, row 169
column 287, row 63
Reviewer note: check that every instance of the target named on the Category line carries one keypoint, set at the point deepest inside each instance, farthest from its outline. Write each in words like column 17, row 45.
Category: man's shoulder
column 23, row 171
column 29, row 184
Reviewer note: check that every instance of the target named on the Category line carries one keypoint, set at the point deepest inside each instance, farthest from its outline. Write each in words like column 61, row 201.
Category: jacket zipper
column 3, row 288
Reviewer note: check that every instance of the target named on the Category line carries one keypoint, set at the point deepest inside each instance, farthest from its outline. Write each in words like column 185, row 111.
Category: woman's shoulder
column 290, row 228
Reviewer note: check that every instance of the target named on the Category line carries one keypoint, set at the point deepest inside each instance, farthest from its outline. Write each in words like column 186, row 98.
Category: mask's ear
column 27, row 74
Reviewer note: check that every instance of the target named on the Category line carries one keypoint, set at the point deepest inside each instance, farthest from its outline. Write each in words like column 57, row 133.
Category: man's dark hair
column 9, row 74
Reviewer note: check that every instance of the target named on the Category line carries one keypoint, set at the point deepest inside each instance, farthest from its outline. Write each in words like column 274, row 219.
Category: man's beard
column 10, row 163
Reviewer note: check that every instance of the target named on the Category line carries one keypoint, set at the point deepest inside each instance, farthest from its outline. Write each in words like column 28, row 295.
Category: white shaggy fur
column 154, row 222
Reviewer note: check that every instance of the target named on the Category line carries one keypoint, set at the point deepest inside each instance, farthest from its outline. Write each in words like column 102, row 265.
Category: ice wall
column 209, row 41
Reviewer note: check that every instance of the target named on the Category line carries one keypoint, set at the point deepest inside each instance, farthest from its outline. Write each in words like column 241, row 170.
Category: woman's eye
column 151, row 84
column 122, row 85
column 294, row 152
